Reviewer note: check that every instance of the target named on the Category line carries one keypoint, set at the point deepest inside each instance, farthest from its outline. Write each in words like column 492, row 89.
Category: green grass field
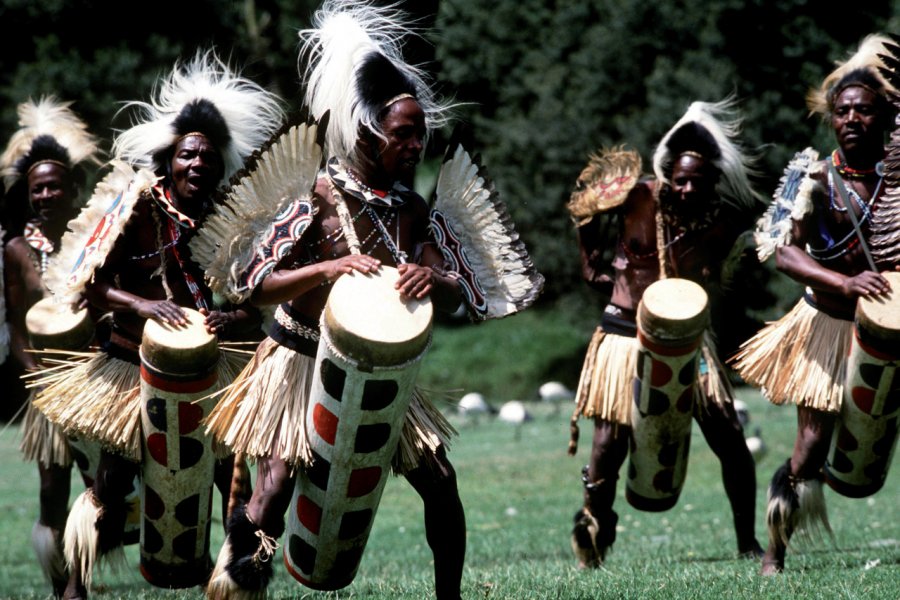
column 520, row 490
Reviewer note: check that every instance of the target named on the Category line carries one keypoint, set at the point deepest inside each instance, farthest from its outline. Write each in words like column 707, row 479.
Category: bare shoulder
column 16, row 250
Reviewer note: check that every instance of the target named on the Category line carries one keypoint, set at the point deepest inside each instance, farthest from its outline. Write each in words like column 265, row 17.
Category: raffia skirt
column 606, row 387
column 43, row 441
column 98, row 396
column 799, row 359
column 263, row 413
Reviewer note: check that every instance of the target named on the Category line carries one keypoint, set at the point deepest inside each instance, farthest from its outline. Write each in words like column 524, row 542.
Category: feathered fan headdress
column 49, row 131
column 710, row 130
column 861, row 69
column 203, row 96
column 356, row 70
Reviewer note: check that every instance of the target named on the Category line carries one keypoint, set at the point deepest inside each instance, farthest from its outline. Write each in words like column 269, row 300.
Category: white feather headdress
column 866, row 59
column 355, row 68
column 250, row 113
column 48, row 116
column 718, row 120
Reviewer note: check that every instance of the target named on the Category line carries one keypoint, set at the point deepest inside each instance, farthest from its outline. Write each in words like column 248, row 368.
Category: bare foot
column 753, row 551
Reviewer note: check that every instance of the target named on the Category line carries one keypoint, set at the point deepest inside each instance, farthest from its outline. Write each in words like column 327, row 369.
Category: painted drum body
column 369, row 353
column 671, row 318
column 865, row 436
column 178, row 369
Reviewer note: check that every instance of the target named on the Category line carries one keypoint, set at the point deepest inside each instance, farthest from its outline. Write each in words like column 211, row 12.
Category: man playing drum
column 43, row 169
column 363, row 216
column 684, row 223
column 819, row 228
column 198, row 131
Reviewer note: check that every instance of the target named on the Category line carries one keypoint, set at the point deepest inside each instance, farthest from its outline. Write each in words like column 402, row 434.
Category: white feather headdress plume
column 47, row 117
column 243, row 115
column 355, row 69
column 862, row 68
column 711, row 130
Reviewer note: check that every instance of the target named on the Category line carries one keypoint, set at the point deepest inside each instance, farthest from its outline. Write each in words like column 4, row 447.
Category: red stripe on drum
column 326, row 423
column 668, row 350
column 309, row 513
column 164, row 382
column 363, row 481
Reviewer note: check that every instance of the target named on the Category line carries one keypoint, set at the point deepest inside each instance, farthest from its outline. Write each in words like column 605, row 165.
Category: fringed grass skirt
column 606, row 388
column 800, row 359
column 99, row 397
column 263, row 413
column 43, row 441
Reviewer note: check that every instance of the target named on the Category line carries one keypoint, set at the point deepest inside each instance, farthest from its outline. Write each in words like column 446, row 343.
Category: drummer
column 43, row 169
column 196, row 134
column 822, row 248
column 684, row 223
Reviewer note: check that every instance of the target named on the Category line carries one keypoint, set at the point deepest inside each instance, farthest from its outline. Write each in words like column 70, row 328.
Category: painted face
column 857, row 120
column 692, row 182
column 404, row 128
column 49, row 190
column 197, row 168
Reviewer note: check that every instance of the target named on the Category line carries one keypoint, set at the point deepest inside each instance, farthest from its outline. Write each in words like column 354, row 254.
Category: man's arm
column 284, row 283
column 17, row 304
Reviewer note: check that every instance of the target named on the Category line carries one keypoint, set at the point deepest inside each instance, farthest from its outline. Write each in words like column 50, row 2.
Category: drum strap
column 842, row 190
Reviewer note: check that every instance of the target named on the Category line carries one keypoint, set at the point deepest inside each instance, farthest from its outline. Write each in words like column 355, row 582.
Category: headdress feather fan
column 710, row 129
column 48, row 129
column 862, row 68
column 356, row 67
column 206, row 96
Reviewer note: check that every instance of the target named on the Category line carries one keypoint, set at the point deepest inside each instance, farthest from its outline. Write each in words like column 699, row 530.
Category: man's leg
column 445, row 521
column 97, row 522
column 47, row 533
column 795, row 495
column 595, row 524
column 245, row 560
column 723, row 433
column 232, row 479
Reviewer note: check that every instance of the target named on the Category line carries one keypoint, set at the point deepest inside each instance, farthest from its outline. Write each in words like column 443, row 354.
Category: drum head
column 879, row 316
column 673, row 309
column 367, row 320
column 186, row 350
column 58, row 326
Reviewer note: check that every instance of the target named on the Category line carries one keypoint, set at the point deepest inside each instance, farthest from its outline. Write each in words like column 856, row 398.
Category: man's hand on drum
column 224, row 322
column 164, row 311
column 867, row 283
column 415, row 280
column 332, row 269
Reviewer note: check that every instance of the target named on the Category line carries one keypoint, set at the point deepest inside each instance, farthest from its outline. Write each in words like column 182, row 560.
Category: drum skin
column 369, row 353
column 671, row 318
column 865, row 436
column 178, row 369
column 55, row 326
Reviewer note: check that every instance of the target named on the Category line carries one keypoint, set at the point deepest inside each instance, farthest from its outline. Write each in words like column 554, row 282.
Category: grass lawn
column 520, row 491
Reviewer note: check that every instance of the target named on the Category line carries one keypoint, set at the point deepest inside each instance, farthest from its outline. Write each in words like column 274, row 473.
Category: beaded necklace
column 848, row 172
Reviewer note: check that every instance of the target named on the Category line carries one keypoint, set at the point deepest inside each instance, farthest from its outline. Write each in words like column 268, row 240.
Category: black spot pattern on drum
column 877, row 469
column 319, row 471
column 840, row 462
column 153, row 541
column 871, row 374
column 688, row 372
column 154, row 507
column 668, row 454
column 184, row 544
column 379, row 393
column 663, row 481
column 632, row 470
column 187, row 512
column 846, row 440
column 657, row 403
column 302, row 554
column 345, row 564
column 354, row 523
column 370, row 438
column 190, row 452
column 156, row 412
column 333, row 378
column 882, row 446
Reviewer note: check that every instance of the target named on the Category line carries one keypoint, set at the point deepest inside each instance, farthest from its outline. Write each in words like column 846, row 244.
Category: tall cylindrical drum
column 671, row 318
column 866, row 434
column 369, row 353
column 178, row 372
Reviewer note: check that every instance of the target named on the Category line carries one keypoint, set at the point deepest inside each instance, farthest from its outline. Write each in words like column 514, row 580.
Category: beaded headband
column 396, row 99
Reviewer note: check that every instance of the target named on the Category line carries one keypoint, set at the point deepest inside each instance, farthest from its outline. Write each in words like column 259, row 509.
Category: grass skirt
column 801, row 358
column 99, row 397
column 42, row 441
column 263, row 413
column 606, row 388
